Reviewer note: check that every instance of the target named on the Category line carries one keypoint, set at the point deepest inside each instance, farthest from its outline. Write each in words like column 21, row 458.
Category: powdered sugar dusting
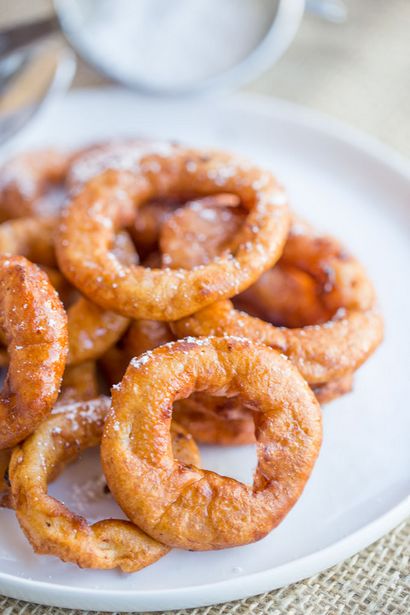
column 120, row 155
column 91, row 491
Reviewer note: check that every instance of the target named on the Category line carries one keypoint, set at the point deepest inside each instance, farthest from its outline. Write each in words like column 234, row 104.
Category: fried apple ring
column 190, row 508
column 91, row 329
column 110, row 202
column 34, row 324
column 210, row 419
column 50, row 527
column 321, row 352
column 324, row 352
column 26, row 178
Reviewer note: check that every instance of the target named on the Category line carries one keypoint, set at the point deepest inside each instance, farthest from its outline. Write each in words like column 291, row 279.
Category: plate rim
column 258, row 582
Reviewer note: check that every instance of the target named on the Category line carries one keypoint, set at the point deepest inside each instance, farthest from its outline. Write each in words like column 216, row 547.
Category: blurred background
column 357, row 71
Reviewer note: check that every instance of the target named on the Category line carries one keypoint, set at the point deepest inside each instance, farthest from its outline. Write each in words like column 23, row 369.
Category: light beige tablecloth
column 360, row 73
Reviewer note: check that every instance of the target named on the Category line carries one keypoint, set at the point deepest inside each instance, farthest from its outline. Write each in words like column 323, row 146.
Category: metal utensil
column 28, row 78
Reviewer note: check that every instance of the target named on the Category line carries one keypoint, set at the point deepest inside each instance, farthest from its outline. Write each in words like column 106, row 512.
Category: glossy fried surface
column 146, row 228
column 49, row 525
column 210, row 419
column 196, row 509
column 322, row 352
column 110, row 202
column 34, row 325
column 216, row 420
column 91, row 329
column 226, row 421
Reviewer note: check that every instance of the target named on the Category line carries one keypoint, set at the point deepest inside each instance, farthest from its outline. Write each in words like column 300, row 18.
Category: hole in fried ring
column 110, row 201
column 91, row 329
column 51, row 528
column 323, row 352
column 192, row 508
column 34, row 325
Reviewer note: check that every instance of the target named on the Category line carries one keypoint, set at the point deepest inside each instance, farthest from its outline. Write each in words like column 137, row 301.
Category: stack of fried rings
column 159, row 242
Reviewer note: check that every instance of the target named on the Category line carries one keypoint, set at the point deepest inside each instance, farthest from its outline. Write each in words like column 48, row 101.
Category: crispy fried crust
column 34, row 324
column 91, row 329
column 79, row 384
column 321, row 352
column 211, row 420
column 324, row 352
column 227, row 421
column 51, row 528
column 109, row 202
column 197, row 509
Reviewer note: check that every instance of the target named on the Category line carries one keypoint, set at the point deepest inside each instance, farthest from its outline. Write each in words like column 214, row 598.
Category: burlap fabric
column 358, row 72
column 376, row 582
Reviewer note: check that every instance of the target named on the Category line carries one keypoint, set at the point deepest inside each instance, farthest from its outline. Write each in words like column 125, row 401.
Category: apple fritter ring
column 49, row 525
column 227, row 422
column 34, row 325
column 321, row 352
column 110, row 202
column 26, row 178
column 190, row 508
column 338, row 279
column 80, row 383
column 210, row 419
column 91, row 329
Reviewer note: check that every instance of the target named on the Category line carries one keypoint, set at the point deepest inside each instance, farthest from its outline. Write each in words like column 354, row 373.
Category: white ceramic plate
column 345, row 184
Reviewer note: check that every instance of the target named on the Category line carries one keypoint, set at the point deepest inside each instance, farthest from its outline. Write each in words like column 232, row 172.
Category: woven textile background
column 374, row 582
column 360, row 73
